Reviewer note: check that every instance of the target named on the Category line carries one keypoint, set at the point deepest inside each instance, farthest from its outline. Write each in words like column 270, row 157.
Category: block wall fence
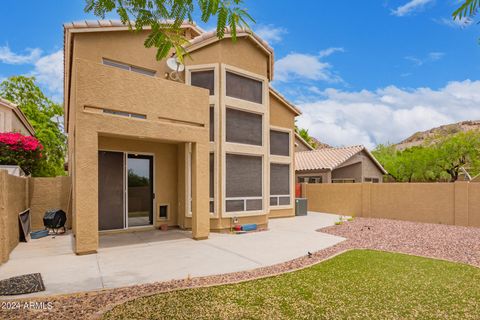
column 445, row 203
column 37, row 194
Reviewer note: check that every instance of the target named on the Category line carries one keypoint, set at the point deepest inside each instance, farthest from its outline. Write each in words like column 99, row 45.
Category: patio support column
column 85, row 181
column 200, row 191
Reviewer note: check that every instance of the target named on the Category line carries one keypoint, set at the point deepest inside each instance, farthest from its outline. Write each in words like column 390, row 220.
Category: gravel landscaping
column 460, row 244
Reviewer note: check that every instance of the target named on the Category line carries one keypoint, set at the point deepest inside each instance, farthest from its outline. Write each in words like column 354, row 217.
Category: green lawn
column 358, row 284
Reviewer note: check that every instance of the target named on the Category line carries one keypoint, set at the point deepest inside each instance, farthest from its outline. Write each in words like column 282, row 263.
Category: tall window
column 212, row 123
column 279, row 143
column 244, row 191
column 243, row 127
column 212, row 182
column 279, row 184
column 244, row 88
column 203, row 79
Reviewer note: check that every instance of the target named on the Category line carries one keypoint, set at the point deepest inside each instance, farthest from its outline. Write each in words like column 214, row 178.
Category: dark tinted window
column 212, row 123
column 244, row 88
column 203, row 79
column 243, row 176
column 243, row 127
column 279, row 179
column 279, row 143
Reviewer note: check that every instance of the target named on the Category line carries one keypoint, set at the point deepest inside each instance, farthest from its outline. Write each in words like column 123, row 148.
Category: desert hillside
column 419, row 138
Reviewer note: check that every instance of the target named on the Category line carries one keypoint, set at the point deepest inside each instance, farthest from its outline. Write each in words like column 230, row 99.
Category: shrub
column 20, row 150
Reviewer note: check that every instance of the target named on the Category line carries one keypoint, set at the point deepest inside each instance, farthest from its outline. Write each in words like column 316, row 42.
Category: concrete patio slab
column 126, row 259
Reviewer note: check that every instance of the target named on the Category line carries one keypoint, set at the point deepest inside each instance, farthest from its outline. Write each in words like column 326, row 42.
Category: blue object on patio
column 249, row 227
column 39, row 234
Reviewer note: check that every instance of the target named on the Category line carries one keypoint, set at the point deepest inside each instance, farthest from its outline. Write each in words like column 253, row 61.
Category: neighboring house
column 301, row 144
column 201, row 153
column 338, row 165
column 12, row 119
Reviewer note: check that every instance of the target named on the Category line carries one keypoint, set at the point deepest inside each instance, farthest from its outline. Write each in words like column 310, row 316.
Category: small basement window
column 128, row 67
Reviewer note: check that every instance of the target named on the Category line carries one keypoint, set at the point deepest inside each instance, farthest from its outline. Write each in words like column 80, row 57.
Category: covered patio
column 132, row 258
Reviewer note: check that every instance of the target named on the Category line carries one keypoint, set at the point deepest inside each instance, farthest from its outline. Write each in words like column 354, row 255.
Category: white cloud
column 270, row 33
column 9, row 57
column 464, row 22
column 389, row 114
column 329, row 51
column 47, row 69
column 431, row 57
column 410, row 7
column 49, row 73
column 301, row 66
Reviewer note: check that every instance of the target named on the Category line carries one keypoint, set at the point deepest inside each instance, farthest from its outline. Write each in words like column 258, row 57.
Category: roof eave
column 287, row 103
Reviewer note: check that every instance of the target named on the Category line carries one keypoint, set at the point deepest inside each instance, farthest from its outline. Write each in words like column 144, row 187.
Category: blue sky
column 363, row 72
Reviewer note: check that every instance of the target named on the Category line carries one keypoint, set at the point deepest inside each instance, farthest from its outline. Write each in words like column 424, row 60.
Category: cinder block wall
column 445, row 203
column 18, row 194
column 49, row 193
column 13, row 200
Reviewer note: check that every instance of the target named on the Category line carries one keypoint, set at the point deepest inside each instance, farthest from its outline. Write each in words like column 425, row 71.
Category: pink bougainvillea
column 17, row 149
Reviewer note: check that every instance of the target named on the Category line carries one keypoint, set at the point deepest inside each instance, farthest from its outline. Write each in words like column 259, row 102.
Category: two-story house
column 209, row 148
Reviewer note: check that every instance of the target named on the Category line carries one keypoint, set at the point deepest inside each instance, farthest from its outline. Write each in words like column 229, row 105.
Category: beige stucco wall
column 97, row 86
column 280, row 116
column 174, row 113
column 352, row 171
column 49, row 193
column 242, row 54
column 446, row 203
column 13, row 200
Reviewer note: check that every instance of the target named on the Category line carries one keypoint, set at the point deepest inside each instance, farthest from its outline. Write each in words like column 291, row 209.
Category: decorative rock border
column 453, row 243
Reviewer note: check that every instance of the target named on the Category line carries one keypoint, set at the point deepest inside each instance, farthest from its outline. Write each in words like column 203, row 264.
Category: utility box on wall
column 301, row 207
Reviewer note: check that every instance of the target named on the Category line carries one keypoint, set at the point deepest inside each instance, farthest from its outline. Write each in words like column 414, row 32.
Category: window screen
column 279, row 143
column 212, row 123
column 243, row 88
column 243, row 127
column 243, row 176
column 279, row 179
column 212, row 181
column 203, row 79
column 212, row 170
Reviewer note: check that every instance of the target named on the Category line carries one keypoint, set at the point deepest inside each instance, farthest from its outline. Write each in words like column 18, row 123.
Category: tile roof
column 110, row 24
column 240, row 32
column 327, row 158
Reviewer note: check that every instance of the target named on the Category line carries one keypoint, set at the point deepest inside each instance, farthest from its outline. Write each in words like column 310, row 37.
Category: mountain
column 420, row 137
column 320, row 145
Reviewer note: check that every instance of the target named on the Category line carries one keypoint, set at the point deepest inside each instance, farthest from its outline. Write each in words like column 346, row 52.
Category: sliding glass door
column 140, row 190
column 125, row 190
